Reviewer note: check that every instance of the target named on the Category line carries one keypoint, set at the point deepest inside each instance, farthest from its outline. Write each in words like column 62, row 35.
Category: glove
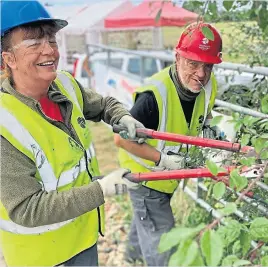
column 213, row 132
column 131, row 124
column 171, row 162
column 115, row 184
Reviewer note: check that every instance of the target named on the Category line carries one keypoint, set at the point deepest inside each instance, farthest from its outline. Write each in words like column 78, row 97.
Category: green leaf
column 236, row 249
column 219, row 190
column 264, row 105
column 208, row 33
column 230, row 232
column 260, row 144
column 229, row 260
column 185, row 254
column 237, row 181
column 241, row 263
column 216, row 120
column 229, row 208
column 259, row 229
column 212, row 247
column 247, row 161
column 265, row 136
column 198, row 260
column 213, row 168
column 264, row 261
column 228, row 4
column 213, row 9
column 245, row 139
column 264, row 154
column 245, row 242
column 158, row 15
column 177, row 235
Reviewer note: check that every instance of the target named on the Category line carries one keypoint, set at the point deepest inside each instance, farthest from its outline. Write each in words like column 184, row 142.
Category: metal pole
column 142, row 60
column 240, row 109
column 238, row 213
column 108, row 58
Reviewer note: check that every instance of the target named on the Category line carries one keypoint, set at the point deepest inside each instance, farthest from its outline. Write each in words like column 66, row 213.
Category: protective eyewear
column 196, row 65
column 34, row 46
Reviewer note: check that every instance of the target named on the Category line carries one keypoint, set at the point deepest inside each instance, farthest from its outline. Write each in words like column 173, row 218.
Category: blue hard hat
column 17, row 13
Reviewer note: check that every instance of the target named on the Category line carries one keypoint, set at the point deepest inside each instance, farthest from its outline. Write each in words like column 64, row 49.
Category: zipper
column 98, row 208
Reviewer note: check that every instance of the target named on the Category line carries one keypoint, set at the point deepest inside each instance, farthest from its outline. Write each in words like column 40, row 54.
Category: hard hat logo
column 205, row 41
column 204, row 45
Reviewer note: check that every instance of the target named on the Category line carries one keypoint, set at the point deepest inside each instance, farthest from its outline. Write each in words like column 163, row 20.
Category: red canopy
column 145, row 15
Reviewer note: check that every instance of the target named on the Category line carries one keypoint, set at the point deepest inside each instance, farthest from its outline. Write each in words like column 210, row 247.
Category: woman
column 50, row 210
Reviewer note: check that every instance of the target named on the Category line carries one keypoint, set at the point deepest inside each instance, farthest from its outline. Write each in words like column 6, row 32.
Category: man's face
column 34, row 58
column 193, row 74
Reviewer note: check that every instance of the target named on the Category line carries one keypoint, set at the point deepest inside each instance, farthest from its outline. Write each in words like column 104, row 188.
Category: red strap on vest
column 51, row 109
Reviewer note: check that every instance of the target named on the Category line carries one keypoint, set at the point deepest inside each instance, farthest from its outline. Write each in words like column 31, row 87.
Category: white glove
column 114, row 183
column 213, row 132
column 171, row 162
column 131, row 124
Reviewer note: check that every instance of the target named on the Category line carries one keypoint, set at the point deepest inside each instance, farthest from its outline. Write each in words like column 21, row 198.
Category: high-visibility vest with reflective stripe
column 171, row 119
column 61, row 164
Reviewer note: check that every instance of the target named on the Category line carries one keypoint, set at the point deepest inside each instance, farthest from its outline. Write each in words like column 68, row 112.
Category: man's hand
column 171, row 162
column 213, row 132
column 131, row 124
column 115, row 183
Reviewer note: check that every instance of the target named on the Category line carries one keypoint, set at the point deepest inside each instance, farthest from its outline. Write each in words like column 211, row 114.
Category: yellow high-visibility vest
column 172, row 120
column 61, row 164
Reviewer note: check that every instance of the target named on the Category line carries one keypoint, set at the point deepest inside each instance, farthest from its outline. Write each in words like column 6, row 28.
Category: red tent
column 144, row 15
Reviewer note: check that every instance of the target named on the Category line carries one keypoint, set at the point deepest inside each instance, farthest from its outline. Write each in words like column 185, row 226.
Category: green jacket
column 21, row 194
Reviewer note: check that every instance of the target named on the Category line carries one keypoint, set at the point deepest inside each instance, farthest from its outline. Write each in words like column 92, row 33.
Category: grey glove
column 171, row 162
column 115, row 184
column 131, row 124
column 213, row 132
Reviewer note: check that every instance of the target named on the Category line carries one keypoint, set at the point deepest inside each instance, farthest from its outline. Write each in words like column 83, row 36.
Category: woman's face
column 34, row 57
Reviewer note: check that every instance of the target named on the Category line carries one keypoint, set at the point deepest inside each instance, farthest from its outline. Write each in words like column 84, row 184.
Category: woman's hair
column 36, row 30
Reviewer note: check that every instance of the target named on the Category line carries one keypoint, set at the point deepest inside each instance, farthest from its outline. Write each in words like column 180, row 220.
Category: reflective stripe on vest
column 14, row 228
column 68, row 86
column 49, row 181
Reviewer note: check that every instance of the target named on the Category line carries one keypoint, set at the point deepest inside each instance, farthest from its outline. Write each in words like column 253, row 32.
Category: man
column 179, row 100
column 51, row 208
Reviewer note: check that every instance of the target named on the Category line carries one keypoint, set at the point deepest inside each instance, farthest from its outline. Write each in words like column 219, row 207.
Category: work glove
column 115, row 184
column 131, row 124
column 171, row 161
column 213, row 132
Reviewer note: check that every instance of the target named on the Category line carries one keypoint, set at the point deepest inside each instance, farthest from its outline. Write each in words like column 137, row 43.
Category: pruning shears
column 183, row 174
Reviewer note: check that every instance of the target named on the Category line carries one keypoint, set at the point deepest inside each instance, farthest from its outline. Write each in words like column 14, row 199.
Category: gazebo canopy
column 144, row 15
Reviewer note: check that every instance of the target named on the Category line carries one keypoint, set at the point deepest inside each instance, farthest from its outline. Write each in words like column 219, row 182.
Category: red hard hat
column 194, row 45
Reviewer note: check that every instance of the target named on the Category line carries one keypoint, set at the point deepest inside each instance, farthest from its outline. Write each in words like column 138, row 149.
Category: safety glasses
column 36, row 46
column 196, row 65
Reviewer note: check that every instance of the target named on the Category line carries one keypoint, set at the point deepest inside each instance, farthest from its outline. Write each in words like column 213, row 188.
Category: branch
column 253, row 252
column 253, row 183
column 210, row 226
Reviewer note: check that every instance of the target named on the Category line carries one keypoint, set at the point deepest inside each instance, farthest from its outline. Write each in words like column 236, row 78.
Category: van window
column 150, row 67
column 116, row 63
column 134, row 66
